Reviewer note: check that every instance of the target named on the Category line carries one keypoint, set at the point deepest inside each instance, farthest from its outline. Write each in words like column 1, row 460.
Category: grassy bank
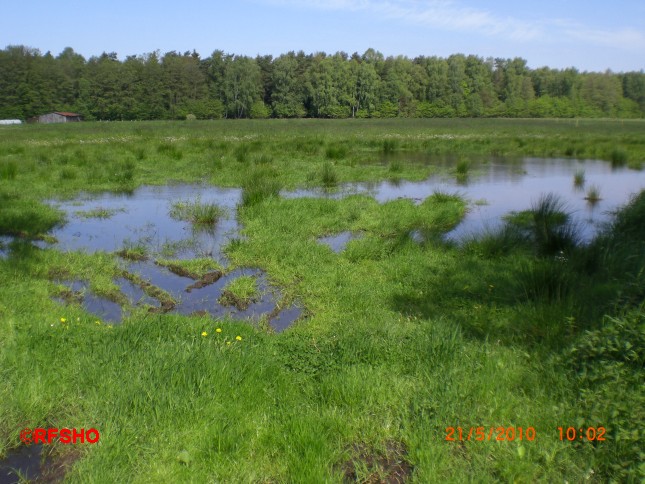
column 519, row 328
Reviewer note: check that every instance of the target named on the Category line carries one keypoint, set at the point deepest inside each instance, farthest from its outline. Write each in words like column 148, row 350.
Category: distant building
column 58, row 117
column 10, row 121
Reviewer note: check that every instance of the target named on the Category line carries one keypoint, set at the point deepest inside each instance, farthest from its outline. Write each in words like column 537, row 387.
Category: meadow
column 521, row 327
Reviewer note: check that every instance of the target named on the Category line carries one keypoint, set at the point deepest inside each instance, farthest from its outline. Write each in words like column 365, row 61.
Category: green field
column 523, row 327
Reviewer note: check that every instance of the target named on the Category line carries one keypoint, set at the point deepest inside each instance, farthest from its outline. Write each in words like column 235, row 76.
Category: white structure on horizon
column 10, row 121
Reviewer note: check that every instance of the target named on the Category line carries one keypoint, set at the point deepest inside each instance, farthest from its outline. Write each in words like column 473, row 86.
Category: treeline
column 176, row 86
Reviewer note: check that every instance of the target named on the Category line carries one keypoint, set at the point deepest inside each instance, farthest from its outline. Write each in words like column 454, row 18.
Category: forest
column 178, row 85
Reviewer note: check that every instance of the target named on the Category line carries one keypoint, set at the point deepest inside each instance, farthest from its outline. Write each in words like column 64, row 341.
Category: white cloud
column 454, row 15
column 443, row 14
column 623, row 39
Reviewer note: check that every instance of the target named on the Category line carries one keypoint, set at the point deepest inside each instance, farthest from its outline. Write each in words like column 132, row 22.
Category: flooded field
column 496, row 188
column 142, row 221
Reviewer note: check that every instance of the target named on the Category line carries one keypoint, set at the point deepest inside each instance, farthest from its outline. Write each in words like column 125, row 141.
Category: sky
column 590, row 35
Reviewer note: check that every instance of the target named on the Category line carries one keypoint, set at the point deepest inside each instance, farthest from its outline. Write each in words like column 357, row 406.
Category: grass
column 99, row 212
column 240, row 292
column 8, row 170
column 328, row 176
column 579, row 179
column 197, row 267
column 593, row 194
column 197, row 213
column 261, row 184
column 399, row 340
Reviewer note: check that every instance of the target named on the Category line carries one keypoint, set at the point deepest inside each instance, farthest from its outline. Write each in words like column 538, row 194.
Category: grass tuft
column 336, row 152
column 618, row 157
column 389, row 146
column 328, row 175
column 8, row 170
column 196, row 212
column 593, row 194
column 579, row 178
column 260, row 185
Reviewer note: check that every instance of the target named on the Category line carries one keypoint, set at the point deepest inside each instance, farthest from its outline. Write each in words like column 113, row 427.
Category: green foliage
column 610, row 361
column 259, row 110
column 180, row 86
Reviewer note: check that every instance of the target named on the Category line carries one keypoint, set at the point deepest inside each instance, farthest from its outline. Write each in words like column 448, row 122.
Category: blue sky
column 590, row 35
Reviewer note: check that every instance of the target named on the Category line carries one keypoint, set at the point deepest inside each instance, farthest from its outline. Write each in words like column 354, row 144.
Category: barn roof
column 70, row 115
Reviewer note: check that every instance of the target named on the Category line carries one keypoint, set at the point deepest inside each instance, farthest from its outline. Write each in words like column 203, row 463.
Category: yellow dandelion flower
column 63, row 320
column 204, row 333
column 238, row 338
column 218, row 330
column 228, row 342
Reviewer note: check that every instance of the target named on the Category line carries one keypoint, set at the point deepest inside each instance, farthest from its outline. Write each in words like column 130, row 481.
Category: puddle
column 191, row 299
column 338, row 242
column 22, row 464
column 102, row 308
column 4, row 246
column 142, row 218
column 498, row 187
column 285, row 318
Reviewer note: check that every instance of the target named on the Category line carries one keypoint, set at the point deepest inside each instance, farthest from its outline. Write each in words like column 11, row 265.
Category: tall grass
column 171, row 150
column 389, row 146
column 593, row 194
column 328, row 175
column 552, row 228
column 196, row 212
column 261, row 184
column 579, row 178
column 618, row 157
column 336, row 152
column 8, row 170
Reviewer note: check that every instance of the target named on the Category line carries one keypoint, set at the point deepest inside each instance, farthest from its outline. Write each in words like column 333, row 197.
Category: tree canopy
column 175, row 85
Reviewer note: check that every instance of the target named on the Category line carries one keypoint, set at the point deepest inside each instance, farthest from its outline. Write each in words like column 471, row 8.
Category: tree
column 242, row 85
column 287, row 96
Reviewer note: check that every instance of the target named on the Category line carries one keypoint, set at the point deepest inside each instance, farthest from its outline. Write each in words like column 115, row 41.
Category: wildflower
column 238, row 338
column 204, row 333
column 98, row 322
column 218, row 330
column 228, row 342
column 63, row 320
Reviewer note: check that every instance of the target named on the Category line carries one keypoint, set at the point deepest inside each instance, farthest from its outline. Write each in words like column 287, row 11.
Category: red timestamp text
column 480, row 434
